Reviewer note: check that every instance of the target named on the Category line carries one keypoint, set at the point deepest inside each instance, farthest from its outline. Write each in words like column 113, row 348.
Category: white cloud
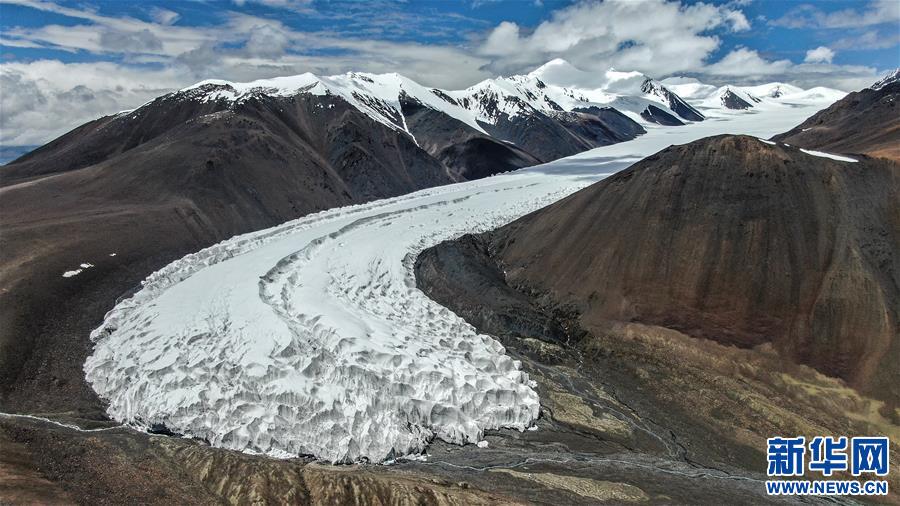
column 744, row 65
column 737, row 20
column 104, row 34
column 267, row 40
column 659, row 38
column 746, row 62
column 164, row 16
column 871, row 39
column 245, row 47
column 502, row 39
column 876, row 12
column 662, row 38
column 43, row 99
column 284, row 4
column 654, row 36
column 820, row 54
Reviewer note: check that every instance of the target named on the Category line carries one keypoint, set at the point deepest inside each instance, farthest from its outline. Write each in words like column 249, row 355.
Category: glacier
column 311, row 338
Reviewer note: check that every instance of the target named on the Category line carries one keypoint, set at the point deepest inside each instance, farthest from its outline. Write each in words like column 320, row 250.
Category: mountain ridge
column 546, row 96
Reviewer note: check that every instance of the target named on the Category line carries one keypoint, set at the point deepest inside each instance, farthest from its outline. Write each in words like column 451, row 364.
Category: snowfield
column 311, row 337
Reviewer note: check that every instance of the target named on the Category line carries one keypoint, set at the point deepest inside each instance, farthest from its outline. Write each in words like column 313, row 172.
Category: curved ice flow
column 311, row 338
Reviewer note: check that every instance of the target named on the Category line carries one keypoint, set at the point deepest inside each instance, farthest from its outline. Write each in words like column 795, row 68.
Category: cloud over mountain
column 117, row 59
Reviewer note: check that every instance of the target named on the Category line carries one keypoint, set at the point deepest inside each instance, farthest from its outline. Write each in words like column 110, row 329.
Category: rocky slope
column 809, row 240
column 720, row 284
column 867, row 121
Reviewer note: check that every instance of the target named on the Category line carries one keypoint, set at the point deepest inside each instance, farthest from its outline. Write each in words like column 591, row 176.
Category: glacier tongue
column 300, row 339
column 311, row 337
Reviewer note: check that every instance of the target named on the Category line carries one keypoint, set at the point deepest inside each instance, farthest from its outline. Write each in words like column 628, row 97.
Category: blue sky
column 779, row 30
column 64, row 63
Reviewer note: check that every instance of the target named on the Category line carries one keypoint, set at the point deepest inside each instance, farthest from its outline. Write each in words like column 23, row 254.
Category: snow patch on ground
column 828, row 155
column 75, row 272
column 312, row 338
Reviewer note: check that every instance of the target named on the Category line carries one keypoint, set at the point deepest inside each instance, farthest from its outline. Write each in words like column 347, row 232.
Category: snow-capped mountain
column 675, row 103
column 519, row 112
column 556, row 110
column 741, row 98
column 553, row 92
column 630, row 92
column 496, row 125
column 733, row 98
column 891, row 77
column 377, row 95
column 772, row 90
column 277, row 347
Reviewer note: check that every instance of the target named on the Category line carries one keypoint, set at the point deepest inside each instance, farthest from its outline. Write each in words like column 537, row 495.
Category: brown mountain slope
column 155, row 193
column 866, row 121
column 734, row 240
column 728, row 289
column 729, row 239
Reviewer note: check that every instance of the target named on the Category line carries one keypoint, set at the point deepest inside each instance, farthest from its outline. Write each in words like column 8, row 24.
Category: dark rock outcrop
column 675, row 103
column 559, row 134
column 731, row 100
column 656, row 115
column 466, row 152
column 464, row 269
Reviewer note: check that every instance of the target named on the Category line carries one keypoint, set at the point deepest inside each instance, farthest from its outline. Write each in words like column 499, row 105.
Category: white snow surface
column 552, row 88
column 79, row 270
column 763, row 96
column 377, row 95
column 822, row 154
column 891, row 77
column 312, row 338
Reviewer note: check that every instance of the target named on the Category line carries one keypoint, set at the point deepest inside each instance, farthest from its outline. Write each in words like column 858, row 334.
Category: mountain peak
column 286, row 83
column 561, row 73
column 891, row 77
column 556, row 62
